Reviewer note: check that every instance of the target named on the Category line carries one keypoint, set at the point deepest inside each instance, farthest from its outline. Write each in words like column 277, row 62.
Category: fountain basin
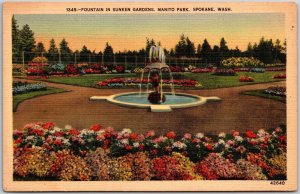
column 139, row 100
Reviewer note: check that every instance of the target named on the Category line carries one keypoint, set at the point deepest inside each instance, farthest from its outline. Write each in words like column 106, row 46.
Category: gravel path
column 235, row 111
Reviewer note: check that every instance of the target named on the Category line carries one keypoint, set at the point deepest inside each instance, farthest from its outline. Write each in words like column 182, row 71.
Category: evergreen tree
column 108, row 54
column 181, row 47
column 206, row 52
column 84, row 54
column 16, row 57
column 39, row 49
column 223, row 48
column 52, row 52
column 190, row 48
column 215, row 55
column 199, row 50
column 27, row 42
column 65, row 52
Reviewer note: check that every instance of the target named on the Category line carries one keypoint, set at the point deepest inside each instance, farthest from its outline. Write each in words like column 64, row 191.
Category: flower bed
column 24, row 87
column 121, row 82
column 275, row 68
column 201, row 70
column 258, row 70
column 280, row 76
column 241, row 62
column 224, row 72
column 279, row 91
column 245, row 69
column 176, row 69
column 246, row 79
column 44, row 150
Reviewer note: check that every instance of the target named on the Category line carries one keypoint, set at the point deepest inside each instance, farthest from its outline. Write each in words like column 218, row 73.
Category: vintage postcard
column 149, row 96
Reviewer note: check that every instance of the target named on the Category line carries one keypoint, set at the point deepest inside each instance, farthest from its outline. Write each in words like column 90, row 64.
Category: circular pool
column 140, row 100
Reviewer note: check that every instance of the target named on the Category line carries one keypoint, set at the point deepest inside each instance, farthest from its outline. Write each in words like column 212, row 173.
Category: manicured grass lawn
column 262, row 94
column 21, row 97
column 85, row 80
column 207, row 80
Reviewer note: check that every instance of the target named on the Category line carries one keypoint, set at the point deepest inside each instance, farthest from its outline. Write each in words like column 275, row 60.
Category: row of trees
column 24, row 47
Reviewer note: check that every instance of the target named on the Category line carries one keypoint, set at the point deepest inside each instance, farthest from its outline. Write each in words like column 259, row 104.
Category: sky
column 129, row 31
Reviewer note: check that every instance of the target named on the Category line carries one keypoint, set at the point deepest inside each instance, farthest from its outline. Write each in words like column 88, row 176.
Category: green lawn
column 17, row 99
column 85, row 80
column 207, row 80
column 262, row 94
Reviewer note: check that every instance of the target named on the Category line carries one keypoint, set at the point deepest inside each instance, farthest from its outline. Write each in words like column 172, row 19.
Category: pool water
column 143, row 99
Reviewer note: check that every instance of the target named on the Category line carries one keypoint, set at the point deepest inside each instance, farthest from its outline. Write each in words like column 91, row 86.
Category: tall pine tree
column 27, row 42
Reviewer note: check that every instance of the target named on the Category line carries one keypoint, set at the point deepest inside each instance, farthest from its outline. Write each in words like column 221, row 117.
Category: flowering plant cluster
column 224, row 72
column 245, row 78
column 24, row 87
column 40, row 60
column 43, row 149
column 277, row 90
column 275, row 68
column 242, row 69
column 36, row 71
column 241, row 62
column 176, row 69
column 258, row 70
column 120, row 82
column 280, row 76
column 201, row 70
column 18, row 68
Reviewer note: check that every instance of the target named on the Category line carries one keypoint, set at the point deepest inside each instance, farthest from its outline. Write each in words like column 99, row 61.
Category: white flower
column 126, row 130
column 199, row 135
column 30, row 137
column 238, row 138
column 136, row 144
column 222, row 135
column 100, row 132
column 68, row 127
column 179, row 145
column 221, row 141
column 66, row 141
column 124, row 141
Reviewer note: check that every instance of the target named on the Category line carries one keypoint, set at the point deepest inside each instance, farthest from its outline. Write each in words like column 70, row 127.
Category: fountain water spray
column 157, row 63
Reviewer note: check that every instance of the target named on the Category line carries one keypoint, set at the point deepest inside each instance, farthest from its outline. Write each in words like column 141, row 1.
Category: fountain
column 156, row 99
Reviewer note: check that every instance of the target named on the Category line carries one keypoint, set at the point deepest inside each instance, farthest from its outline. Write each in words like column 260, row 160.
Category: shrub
column 70, row 69
column 241, row 62
column 280, row 76
column 246, row 79
column 40, row 60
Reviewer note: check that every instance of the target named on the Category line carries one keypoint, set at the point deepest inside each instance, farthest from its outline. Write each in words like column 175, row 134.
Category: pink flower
column 150, row 133
column 235, row 133
column 187, row 136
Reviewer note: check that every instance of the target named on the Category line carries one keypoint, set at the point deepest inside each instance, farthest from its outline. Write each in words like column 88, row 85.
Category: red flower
column 209, row 147
column 252, row 142
column 48, row 125
column 128, row 147
column 59, row 134
column 141, row 146
column 170, row 135
column 36, row 132
column 18, row 141
column 96, row 127
column 250, row 134
column 57, row 142
column 73, row 132
column 133, row 136
column 281, row 138
column 106, row 144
